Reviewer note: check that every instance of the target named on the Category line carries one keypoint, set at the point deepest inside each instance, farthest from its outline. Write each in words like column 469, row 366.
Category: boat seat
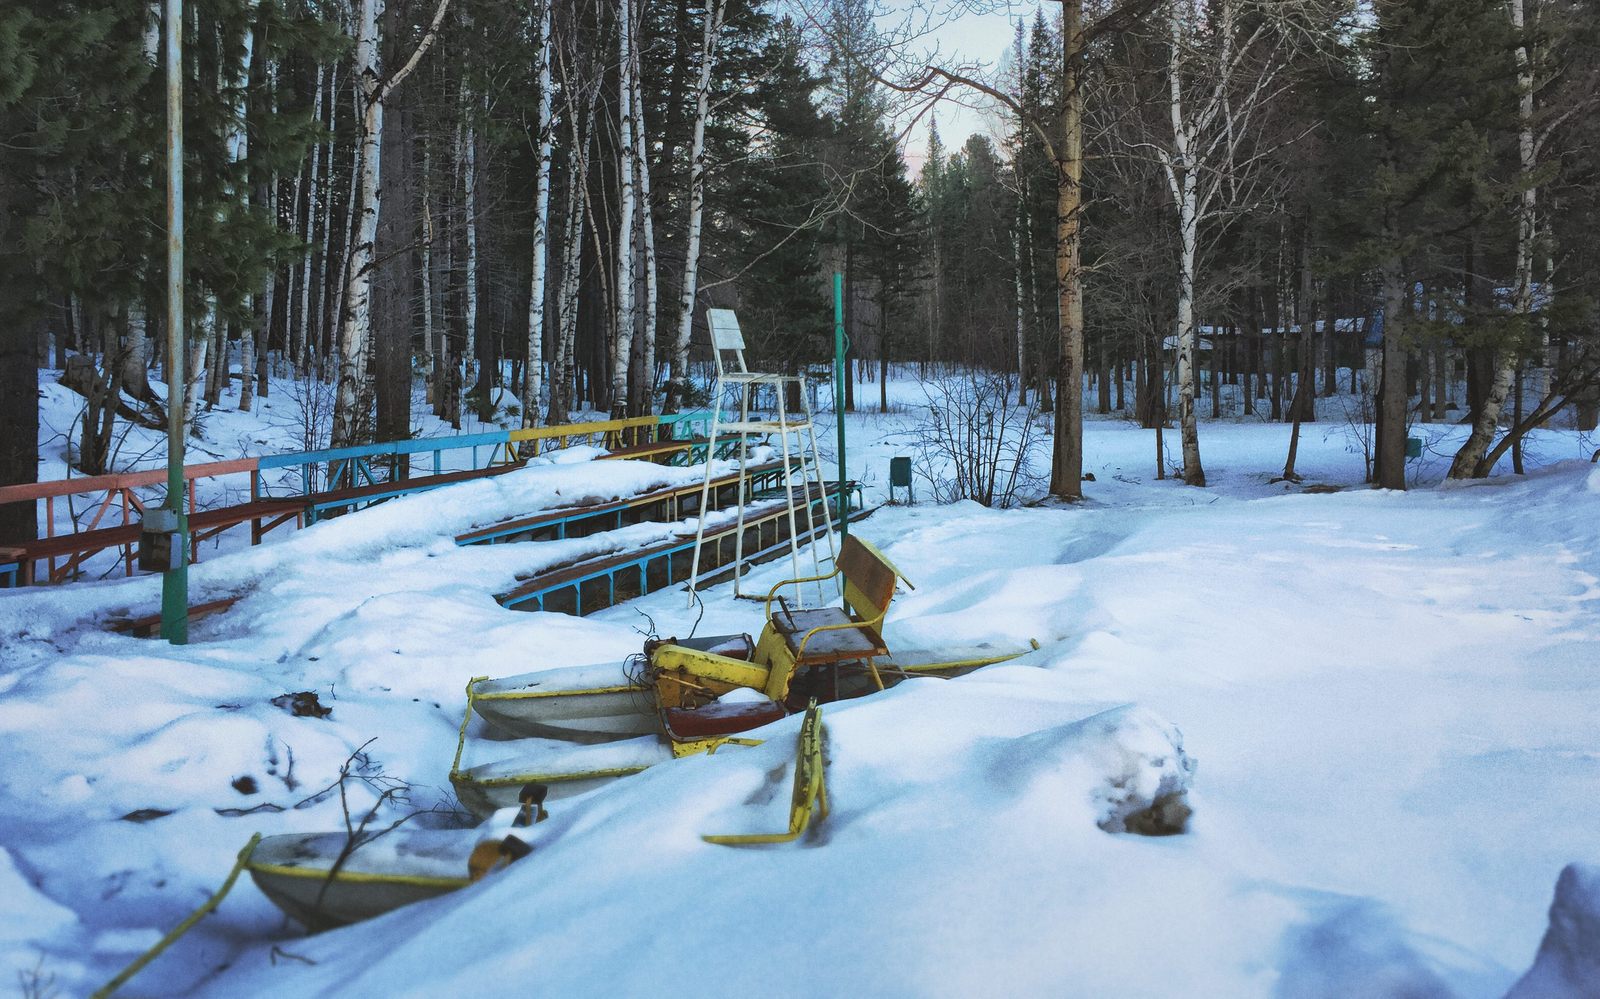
column 713, row 720
column 859, row 642
column 823, row 635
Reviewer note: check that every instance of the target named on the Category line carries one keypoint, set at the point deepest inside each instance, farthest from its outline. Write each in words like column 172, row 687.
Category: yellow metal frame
column 854, row 605
column 688, row 677
column 359, row 877
column 810, row 787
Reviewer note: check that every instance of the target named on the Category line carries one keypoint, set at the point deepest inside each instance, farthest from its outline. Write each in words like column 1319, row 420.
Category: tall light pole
column 175, row 580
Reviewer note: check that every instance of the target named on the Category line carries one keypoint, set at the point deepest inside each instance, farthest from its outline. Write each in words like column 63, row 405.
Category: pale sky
column 972, row 35
column 960, row 37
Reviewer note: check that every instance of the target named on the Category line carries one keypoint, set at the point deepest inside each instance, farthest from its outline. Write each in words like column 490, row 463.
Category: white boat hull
column 296, row 872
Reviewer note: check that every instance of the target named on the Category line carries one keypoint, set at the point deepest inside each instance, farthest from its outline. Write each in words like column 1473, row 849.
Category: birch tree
column 1469, row 460
column 355, row 329
column 1219, row 82
column 678, row 384
column 582, row 97
column 467, row 159
column 641, row 396
column 623, row 322
column 533, row 381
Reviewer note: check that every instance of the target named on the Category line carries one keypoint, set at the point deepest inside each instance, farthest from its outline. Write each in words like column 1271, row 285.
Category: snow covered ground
column 1388, row 702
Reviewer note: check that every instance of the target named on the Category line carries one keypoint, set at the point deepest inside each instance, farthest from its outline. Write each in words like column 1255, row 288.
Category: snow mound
column 1568, row 963
column 1126, row 767
column 28, row 919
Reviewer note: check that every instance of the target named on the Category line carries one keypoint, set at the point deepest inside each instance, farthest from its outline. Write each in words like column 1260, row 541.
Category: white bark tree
column 1211, row 165
column 1469, row 460
column 532, row 382
column 300, row 335
column 623, row 323
column 430, row 356
column 678, row 384
column 581, row 126
column 642, row 397
column 469, row 170
column 355, row 328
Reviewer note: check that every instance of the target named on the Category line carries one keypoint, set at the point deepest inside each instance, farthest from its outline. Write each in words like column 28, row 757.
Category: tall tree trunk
column 678, row 384
column 1021, row 323
column 1066, row 465
column 430, row 348
column 1470, row 462
column 136, row 355
column 303, row 334
column 642, row 392
column 849, row 326
column 532, row 382
column 351, row 405
column 623, row 322
column 351, row 408
column 1391, row 430
column 394, row 269
column 19, row 414
column 468, row 159
column 563, row 366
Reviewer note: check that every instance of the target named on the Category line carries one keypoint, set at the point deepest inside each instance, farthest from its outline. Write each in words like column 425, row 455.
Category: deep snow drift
column 1385, row 706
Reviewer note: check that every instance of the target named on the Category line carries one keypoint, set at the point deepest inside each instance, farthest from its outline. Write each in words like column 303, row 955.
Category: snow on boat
column 320, row 882
column 566, row 768
column 594, row 703
column 682, row 697
column 297, row 873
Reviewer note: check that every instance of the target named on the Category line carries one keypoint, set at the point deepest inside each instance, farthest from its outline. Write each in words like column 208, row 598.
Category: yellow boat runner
column 810, row 788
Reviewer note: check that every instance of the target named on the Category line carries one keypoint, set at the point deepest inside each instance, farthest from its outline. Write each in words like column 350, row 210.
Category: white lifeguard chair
column 802, row 478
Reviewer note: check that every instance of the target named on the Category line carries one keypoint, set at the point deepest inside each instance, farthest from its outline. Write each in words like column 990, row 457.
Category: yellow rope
column 183, row 927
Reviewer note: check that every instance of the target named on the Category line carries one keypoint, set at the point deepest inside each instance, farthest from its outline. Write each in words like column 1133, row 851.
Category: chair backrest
column 869, row 577
column 725, row 336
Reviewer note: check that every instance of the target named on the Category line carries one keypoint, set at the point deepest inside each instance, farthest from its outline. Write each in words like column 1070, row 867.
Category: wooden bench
column 203, row 524
column 150, row 624
column 824, row 635
column 336, row 498
column 206, row 524
column 650, row 450
column 559, row 518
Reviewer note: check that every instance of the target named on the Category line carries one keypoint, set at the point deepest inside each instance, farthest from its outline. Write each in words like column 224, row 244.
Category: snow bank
column 1568, row 963
column 1125, row 766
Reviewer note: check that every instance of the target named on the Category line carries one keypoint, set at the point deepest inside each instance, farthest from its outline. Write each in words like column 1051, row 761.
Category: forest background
column 1390, row 200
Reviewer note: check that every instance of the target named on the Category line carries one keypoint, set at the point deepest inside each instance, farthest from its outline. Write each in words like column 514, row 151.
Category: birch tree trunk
column 355, row 327
column 350, row 414
column 1183, row 179
column 678, row 383
column 302, row 335
column 1022, row 370
column 430, row 359
column 469, row 167
column 1471, row 461
column 572, row 257
column 622, row 332
column 319, row 345
column 642, row 393
column 532, row 382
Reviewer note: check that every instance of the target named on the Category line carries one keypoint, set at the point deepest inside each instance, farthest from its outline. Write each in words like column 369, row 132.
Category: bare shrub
column 975, row 444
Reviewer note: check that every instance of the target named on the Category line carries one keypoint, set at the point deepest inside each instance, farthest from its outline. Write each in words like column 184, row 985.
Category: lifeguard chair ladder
column 727, row 339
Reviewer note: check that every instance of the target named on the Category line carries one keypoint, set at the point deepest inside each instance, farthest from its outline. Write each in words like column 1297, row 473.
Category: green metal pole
column 175, row 582
column 839, row 347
